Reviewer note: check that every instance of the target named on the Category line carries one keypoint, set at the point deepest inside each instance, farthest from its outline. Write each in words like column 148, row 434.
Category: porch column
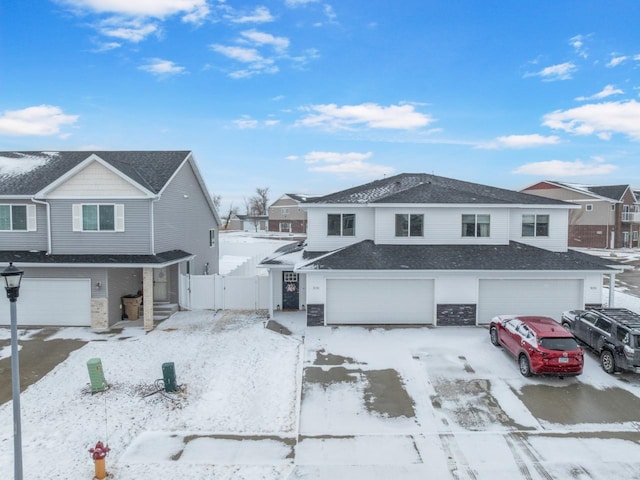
column 271, row 293
column 147, row 291
column 612, row 288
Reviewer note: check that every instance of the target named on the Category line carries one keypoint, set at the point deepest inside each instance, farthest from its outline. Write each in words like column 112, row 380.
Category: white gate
column 213, row 292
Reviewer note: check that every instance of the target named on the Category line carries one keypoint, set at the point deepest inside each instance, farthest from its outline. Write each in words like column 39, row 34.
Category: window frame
column 477, row 226
column 588, row 207
column 212, row 237
column 78, row 220
column 411, row 220
column 346, row 222
column 535, row 225
column 30, row 224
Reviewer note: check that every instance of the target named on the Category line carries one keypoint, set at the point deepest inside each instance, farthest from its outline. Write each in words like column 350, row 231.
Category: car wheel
column 607, row 361
column 566, row 325
column 525, row 368
column 493, row 334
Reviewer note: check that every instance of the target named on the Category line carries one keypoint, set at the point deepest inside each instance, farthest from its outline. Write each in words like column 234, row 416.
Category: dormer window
column 341, row 224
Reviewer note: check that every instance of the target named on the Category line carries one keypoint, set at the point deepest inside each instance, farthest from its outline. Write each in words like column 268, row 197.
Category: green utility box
column 169, row 377
column 96, row 375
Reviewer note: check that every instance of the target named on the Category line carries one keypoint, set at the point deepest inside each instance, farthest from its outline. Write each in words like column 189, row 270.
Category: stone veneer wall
column 99, row 313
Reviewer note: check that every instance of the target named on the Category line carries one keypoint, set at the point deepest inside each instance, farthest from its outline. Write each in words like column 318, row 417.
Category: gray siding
column 26, row 240
column 182, row 220
column 136, row 239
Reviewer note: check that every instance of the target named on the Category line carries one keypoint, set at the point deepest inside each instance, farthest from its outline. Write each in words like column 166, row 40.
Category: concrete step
column 162, row 310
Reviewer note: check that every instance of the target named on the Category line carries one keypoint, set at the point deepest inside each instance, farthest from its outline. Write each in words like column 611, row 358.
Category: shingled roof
column 367, row 255
column 430, row 189
column 26, row 173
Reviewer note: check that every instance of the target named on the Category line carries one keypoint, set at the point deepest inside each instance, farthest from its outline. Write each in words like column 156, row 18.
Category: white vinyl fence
column 225, row 292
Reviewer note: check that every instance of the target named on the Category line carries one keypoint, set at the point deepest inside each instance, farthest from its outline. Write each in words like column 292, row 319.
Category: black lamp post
column 12, row 278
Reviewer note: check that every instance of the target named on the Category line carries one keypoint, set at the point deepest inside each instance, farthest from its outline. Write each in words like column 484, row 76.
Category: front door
column 290, row 291
column 160, row 285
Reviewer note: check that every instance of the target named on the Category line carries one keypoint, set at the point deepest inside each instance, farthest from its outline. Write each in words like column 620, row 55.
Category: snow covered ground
column 322, row 403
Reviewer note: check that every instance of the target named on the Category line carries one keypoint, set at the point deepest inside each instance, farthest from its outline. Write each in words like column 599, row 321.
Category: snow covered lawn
column 322, row 403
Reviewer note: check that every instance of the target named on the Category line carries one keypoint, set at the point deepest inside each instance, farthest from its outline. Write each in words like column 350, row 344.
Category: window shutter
column 77, row 217
column 119, row 217
column 31, row 218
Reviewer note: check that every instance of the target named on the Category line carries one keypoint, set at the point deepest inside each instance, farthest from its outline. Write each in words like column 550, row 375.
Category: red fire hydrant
column 98, row 453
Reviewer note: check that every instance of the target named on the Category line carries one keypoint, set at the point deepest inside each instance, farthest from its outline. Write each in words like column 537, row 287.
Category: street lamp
column 12, row 278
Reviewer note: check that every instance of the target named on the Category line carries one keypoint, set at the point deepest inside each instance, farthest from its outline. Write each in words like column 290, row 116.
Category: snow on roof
column 23, row 163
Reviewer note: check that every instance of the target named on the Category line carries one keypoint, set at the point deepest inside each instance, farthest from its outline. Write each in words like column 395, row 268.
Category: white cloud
column 615, row 61
column 601, row 119
column 105, row 47
column 247, row 123
column 521, row 141
column 256, row 63
column 562, row 71
column 262, row 38
column 192, row 10
column 41, row 120
column 577, row 43
column 352, row 163
column 162, row 68
column 607, row 91
column 297, row 3
column 259, row 15
column 133, row 30
column 558, row 168
column 332, row 116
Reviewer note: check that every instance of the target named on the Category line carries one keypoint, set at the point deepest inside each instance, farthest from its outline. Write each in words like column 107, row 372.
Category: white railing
column 633, row 217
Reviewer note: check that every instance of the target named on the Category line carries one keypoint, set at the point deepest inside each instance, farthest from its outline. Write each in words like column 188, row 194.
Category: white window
column 409, row 225
column 588, row 207
column 476, row 225
column 21, row 218
column 98, row 217
column 535, row 225
column 341, row 224
column 285, row 211
column 212, row 237
column 285, row 226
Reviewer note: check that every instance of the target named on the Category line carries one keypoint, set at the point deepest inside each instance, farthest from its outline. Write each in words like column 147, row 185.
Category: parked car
column 540, row 344
column 613, row 333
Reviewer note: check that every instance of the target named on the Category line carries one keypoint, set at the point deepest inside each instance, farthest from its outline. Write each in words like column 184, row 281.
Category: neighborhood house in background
column 428, row 250
column 608, row 216
column 286, row 214
column 89, row 228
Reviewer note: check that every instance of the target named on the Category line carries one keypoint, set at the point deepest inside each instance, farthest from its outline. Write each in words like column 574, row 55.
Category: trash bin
column 132, row 306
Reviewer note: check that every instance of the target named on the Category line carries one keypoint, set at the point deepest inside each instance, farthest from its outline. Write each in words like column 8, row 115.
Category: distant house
column 285, row 214
column 428, row 250
column 248, row 223
column 608, row 216
column 89, row 228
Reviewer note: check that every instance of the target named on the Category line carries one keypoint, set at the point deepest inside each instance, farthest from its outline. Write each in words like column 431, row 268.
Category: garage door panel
column 369, row 301
column 528, row 297
column 44, row 302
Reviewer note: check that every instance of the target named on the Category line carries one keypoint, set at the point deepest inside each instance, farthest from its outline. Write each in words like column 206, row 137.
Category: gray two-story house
column 428, row 250
column 91, row 227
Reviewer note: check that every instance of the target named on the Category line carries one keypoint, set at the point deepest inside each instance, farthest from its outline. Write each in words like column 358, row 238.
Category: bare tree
column 232, row 211
column 259, row 201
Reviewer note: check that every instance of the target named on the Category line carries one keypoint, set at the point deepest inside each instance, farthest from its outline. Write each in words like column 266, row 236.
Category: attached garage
column 379, row 301
column 51, row 302
column 542, row 297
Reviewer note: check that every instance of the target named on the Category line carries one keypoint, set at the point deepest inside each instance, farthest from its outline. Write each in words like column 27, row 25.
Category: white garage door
column 47, row 301
column 547, row 298
column 367, row 301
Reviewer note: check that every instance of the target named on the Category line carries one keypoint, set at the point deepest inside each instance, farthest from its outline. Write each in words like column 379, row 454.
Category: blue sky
column 306, row 96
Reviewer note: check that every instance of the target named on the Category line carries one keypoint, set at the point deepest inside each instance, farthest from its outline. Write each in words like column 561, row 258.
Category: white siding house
column 428, row 250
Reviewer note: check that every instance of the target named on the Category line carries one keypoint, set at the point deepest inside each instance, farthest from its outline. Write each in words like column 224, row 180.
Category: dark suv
column 614, row 333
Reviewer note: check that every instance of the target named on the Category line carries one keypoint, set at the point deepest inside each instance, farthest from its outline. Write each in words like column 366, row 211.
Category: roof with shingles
column 150, row 169
column 430, row 189
column 614, row 192
column 367, row 255
column 42, row 258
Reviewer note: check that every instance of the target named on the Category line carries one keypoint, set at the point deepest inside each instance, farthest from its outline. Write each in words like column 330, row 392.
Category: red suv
column 541, row 345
